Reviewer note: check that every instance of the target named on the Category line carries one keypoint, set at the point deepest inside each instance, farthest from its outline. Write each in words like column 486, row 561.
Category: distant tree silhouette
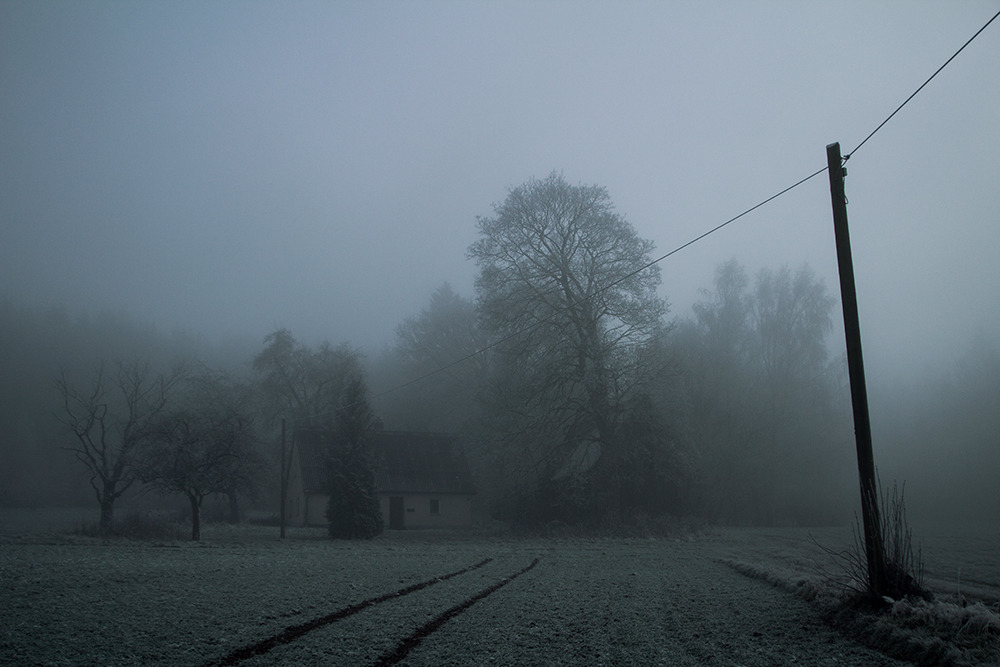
column 443, row 333
column 303, row 384
column 111, row 419
column 205, row 446
column 567, row 287
column 353, row 511
column 764, row 414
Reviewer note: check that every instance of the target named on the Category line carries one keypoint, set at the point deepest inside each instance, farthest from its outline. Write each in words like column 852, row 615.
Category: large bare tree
column 567, row 288
column 205, row 445
column 303, row 384
column 111, row 417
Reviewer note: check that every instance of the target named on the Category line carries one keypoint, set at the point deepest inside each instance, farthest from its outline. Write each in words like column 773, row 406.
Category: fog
column 227, row 169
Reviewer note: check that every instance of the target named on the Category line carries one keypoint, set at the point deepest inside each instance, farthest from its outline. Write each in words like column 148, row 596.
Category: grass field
column 241, row 596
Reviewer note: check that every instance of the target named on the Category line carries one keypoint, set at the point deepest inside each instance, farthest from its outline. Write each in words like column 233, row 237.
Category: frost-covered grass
column 958, row 559
column 84, row 602
column 68, row 599
column 960, row 626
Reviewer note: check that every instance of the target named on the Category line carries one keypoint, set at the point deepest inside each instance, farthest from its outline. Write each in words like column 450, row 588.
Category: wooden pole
column 874, row 549
column 283, row 481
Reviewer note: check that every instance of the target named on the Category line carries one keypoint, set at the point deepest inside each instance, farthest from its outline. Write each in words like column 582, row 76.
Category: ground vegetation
column 472, row 598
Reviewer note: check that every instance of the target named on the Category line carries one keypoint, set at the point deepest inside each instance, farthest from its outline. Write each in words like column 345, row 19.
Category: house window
column 435, row 506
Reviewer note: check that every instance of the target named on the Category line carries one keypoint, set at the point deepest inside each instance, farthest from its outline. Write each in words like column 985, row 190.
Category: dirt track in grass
column 72, row 601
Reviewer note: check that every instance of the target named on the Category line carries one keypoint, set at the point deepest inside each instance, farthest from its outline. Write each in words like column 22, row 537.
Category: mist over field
column 182, row 180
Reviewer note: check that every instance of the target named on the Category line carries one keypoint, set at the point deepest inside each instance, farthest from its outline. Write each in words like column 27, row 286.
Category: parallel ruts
column 293, row 632
column 406, row 645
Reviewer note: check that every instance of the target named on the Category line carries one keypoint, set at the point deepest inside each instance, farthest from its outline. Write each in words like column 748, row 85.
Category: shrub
column 137, row 526
column 904, row 568
column 353, row 510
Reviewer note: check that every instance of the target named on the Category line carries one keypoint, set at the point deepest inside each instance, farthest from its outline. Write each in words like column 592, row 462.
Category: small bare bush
column 904, row 567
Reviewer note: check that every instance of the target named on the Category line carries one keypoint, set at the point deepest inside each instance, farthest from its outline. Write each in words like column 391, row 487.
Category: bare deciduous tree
column 110, row 419
column 231, row 405
column 303, row 384
column 204, row 446
column 567, row 286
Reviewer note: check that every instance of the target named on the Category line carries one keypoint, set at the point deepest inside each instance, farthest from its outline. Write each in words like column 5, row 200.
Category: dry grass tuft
column 904, row 565
column 942, row 633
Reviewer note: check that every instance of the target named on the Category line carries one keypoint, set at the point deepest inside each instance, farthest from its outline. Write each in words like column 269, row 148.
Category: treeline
column 940, row 432
column 40, row 346
column 735, row 414
column 103, row 410
column 588, row 405
column 578, row 397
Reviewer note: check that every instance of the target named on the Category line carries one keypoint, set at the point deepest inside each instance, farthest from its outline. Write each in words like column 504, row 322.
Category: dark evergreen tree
column 353, row 509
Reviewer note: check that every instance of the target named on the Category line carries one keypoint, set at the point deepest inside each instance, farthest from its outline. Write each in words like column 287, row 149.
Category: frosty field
column 241, row 596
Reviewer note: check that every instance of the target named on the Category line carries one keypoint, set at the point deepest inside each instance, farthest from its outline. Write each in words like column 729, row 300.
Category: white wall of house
column 314, row 513
column 431, row 510
column 452, row 511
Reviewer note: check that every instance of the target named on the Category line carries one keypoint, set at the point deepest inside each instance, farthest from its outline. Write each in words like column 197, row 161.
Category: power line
column 534, row 325
column 717, row 228
column 938, row 71
column 681, row 247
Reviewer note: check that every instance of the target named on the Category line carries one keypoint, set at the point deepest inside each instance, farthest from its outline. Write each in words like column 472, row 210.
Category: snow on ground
column 424, row 598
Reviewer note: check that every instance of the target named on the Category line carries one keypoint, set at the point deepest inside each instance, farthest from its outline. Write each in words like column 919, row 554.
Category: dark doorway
column 396, row 513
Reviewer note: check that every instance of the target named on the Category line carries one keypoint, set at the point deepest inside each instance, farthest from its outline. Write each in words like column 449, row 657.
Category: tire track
column 293, row 632
column 403, row 648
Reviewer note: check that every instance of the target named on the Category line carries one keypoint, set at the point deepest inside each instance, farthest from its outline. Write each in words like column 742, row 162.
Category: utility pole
column 874, row 549
column 283, row 481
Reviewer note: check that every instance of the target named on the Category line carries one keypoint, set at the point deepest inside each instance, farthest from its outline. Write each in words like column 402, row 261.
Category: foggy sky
column 226, row 168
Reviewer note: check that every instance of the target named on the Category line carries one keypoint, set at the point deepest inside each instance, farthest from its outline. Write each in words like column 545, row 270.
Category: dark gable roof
column 419, row 463
column 405, row 462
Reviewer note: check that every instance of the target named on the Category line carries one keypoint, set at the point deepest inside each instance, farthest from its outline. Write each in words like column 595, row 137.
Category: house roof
column 405, row 462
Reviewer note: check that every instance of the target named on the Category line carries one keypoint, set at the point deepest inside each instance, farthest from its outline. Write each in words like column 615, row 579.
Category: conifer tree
column 353, row 510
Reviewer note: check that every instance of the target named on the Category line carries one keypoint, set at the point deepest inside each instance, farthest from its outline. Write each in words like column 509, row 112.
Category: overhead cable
column 936, row 72
column 679, row 248
column 534, row 325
